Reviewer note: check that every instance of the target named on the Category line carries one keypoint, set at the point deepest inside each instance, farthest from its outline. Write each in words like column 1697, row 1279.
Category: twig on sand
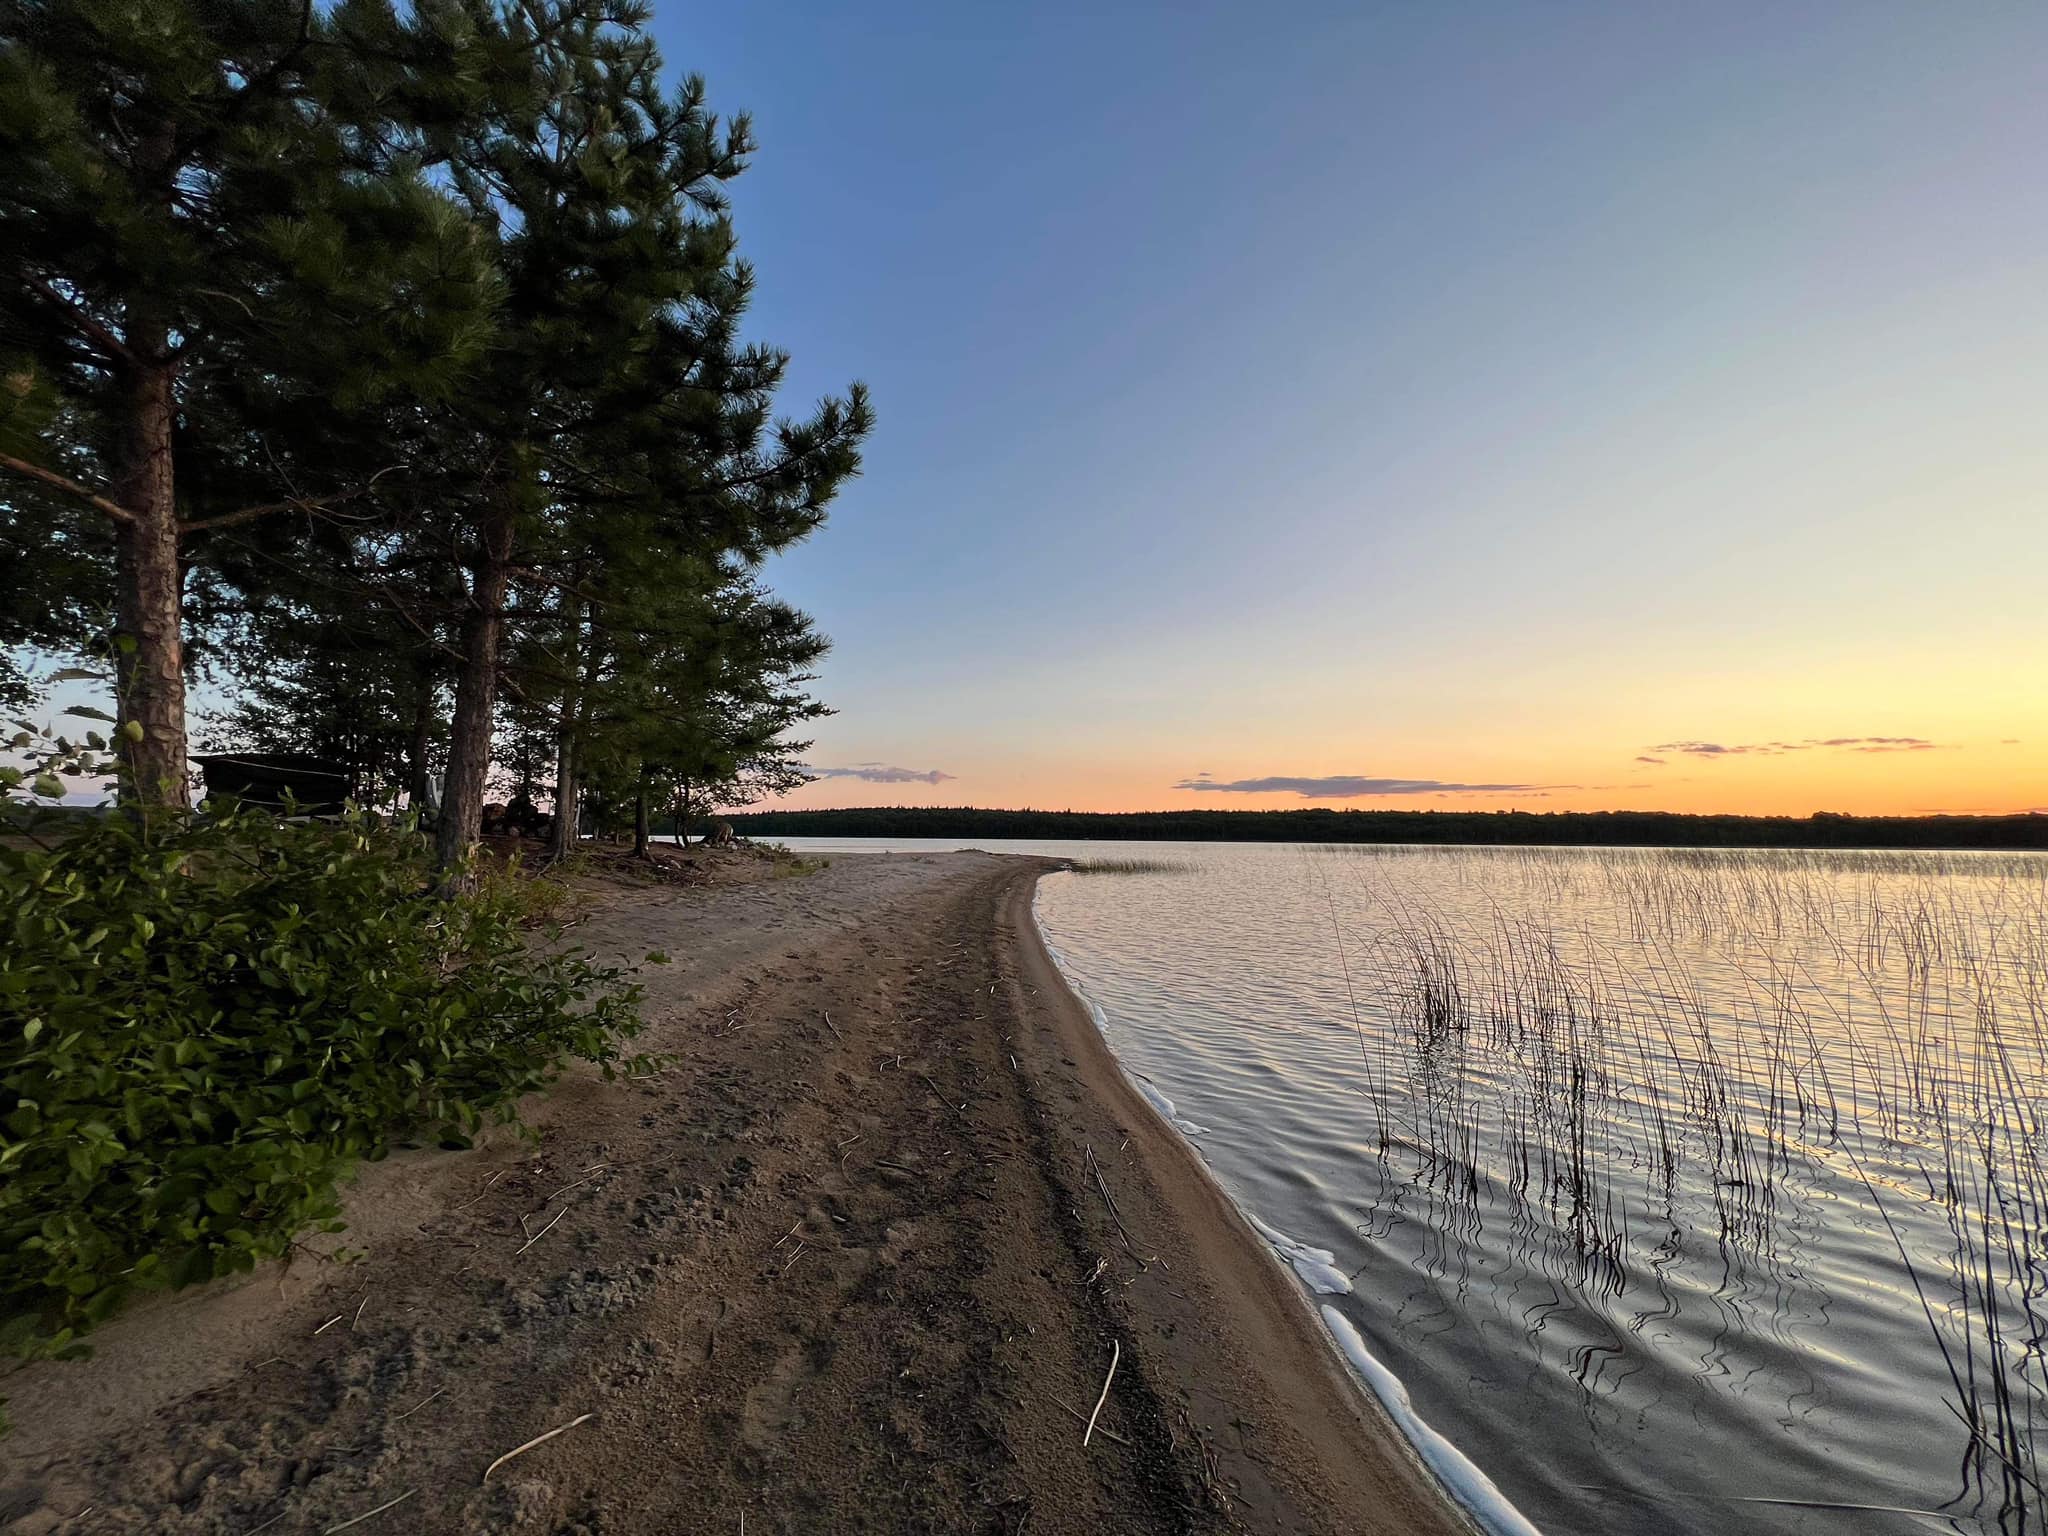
column 935, row 1089
column 485, row 1190
column 329, row 1324
column 1082, row 1418
column 368, row 1513
column 567, row 1187
column 835, row 1035
column 1114, row 1214
column 1116, row 1353
column 416, row 1407
column 521, row 1450
column 356, row 1321
column 543, row 1232
column 786, row 1236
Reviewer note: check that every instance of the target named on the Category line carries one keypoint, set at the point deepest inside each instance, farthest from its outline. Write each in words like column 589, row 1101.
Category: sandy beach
column 858, row 1260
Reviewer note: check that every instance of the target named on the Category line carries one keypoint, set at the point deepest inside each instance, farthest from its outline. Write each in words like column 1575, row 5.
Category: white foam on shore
column 1472, row 1488
column 1155, row 1098
column 1316, row 1266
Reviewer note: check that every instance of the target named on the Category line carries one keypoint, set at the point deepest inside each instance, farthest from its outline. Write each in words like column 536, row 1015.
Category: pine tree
column 621, row 422
column 207, row 241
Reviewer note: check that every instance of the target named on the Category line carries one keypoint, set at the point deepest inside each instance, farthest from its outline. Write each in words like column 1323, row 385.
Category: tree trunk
column 640, row 819
column 418, row 770
column 563, row 842
column 476, row 692
column 149, row 585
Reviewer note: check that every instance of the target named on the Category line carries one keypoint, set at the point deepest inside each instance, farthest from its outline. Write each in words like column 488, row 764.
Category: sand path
column 845, row 1275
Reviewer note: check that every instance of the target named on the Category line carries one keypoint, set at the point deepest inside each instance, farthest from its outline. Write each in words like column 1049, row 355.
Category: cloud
column 1716, row 749
column 877, row 773
column 1655, row 762
column 1345, row 786
column 1777, row 748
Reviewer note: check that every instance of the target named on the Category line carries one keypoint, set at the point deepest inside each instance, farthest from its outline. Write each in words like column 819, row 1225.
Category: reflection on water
column 1687, row 1191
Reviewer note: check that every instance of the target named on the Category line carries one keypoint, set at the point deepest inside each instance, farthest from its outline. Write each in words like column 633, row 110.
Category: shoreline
column 850, row 1263
column 1299, row 1357
column 1459, row 1481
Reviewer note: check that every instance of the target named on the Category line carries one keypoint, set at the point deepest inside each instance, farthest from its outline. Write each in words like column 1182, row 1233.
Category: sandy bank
column 848, row 1266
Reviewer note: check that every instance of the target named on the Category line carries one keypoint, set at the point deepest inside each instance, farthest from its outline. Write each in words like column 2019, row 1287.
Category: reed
column 1890, row 1029
column 1130, row 866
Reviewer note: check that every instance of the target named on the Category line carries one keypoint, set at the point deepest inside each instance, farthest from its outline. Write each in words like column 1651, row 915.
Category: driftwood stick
column 366, row 1514
column 1115, row 1215
column 484, row 1191
column 543, row 1232
column 1082, row 1418
column 521, row 1450
column 416, row 1407
column 1116, row 1353
column 940, row 1096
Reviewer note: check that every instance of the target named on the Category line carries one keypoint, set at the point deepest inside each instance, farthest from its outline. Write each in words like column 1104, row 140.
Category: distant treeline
column 1663, row 829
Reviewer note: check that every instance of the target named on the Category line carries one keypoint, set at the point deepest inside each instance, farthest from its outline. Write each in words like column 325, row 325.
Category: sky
column 1429, row 405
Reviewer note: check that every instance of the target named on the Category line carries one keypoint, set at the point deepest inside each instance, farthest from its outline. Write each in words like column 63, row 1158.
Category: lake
column 1684, row 1191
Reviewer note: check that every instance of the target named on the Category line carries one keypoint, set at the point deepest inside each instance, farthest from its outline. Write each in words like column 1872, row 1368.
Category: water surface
column 1685, row 1191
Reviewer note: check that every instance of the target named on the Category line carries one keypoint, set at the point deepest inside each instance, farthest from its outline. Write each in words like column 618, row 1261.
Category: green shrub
column 204, row 1021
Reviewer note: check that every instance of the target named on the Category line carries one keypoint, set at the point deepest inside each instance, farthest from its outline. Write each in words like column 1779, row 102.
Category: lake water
column 1684, row 1191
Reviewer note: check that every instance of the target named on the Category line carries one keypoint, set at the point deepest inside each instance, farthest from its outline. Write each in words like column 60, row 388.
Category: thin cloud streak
column 1712, row 749
column 879, row 773
column 1345, row 786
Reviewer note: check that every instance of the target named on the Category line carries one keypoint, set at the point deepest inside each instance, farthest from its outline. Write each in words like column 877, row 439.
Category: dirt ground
column 849, row 1264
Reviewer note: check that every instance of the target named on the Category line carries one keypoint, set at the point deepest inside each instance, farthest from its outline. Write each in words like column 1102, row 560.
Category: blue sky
column 1437, row 393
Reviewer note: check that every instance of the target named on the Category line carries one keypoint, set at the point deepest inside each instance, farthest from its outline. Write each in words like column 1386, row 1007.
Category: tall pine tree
column 621, row 420
column 199, row 211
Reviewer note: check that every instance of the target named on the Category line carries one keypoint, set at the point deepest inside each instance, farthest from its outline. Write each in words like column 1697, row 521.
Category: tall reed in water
column 1600, row 1079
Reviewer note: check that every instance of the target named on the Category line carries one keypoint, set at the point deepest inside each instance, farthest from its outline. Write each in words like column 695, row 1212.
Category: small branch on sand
column 356, row 1321
column 543, row 1232
column 935, row 1089
column 416, row 1407
column 485, row 1190
column 368, row 1513
column 567, row 1187
column 1116, row 1353
column 521, row 1450
column 1082, row 1418
column 329, row 1324
column 1114, row 1214
column 835, row 1029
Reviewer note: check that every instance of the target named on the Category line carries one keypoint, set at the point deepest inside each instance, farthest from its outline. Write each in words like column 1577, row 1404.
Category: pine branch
column 291, row 504
column 83, row 323
column 68, row 486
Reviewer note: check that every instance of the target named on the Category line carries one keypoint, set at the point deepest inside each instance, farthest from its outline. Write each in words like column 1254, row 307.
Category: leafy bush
column 205, row 1020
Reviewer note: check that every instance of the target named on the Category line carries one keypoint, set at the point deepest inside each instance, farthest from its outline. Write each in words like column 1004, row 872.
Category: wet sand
column 850, row 1264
